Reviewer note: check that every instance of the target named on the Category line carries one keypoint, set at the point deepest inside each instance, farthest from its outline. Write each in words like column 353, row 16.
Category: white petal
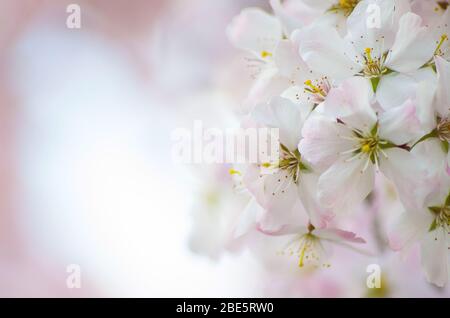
column 248, row 218
column 307, row 190
column 406, row 172
column 255, row 30
column 345, row 184
column 395, row 88
column 321, row 5
column 443, row 90
column 268, row 84
column 289, row 63
column 378, row 37
column 431, row 154
column 283, row 114
column 351, row 103
column 434, row 256
column 413, row 46
column 326, row 53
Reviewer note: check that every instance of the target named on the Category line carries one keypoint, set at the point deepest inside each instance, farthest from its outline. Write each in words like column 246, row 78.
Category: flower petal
column 413, row 46
column 407, row 173
column 379, row 37
column 443, row 89
column 345, row 184
column 326, row 53
column 338, row 235
column 283, row 114
column 434, row 256
column 289, row 63
column 395, row 88
column 255, row 30
column 408, row 229
column 400, row 125
column 285, row 230
column 351, row 103
column 322, row 140
column 294, row 14
column 307, row 190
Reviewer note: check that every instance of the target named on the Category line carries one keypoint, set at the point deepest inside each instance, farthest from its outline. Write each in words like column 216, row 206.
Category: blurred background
column 86, row 171
column 86, row 174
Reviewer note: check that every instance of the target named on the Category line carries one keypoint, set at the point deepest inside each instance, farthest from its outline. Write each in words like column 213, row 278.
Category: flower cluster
column 360, row 91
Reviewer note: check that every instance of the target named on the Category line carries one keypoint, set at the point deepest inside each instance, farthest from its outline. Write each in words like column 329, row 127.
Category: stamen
column 314, row 88
column 374, row 67
column 368, row 52
column 318, row 91
column 344, row 6
column 438, row 50
column 443, row 130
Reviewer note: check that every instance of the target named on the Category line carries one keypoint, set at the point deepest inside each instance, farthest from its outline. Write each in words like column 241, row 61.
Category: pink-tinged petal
column 294, row 14
column 345, row 184
column 407, row 173
column 256, row 31
column 338, row 235
column 408, row 229
column 413, row 46
column 434, row 256
column 351, row 103
column 322, row 140
column 401, row 125
column 326, row 53
column 447, row 164
column 307, row 191
column 283, row 230
column 443, row 90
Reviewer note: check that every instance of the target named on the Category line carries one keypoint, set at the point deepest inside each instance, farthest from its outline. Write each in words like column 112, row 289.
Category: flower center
column 291, row 162
column 318, row 90
column 367, row 145
column 308, row 248
column 344, row 6
column 443, row 130
column 373, row 66
column 442, row 218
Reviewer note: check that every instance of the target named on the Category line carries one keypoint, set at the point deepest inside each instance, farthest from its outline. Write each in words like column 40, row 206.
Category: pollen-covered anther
column 265, row 54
